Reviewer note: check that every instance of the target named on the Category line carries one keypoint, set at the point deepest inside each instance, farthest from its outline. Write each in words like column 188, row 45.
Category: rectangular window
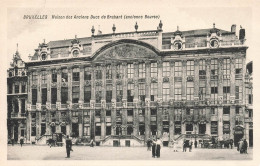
column 87, row 74
column 189, row 127
column 214, row 127
column 141, row 91
column 238, row 93
column 190, row 91
column 97, row 113
column 130, row 113
column 250, row 113
column 119, row 71
column 109, row 93
column 16, row 88
column 177, row 91
column 54, row 76
column 214, row 68
column 154, row 87
column 108, row 113
column 86, row 131
column 214, row 110
column 108, row 72
column 75, row 74
column 202, row 93
column 87, row 94
column 119, row 93
column 166, row 91
column 226, row 110
column 190, row 68
column 237, row 110
column 177, row 128
column 44, row 77
column 64, row 95
column 226, row 127
column 202, row 69
column 130, row 92
column 53, row 95
column 35, row 77
column 98, row 130
column 10, row 88
column 98, row 73
column 166, row 69
column 108, row 130
column 98, row 93
column 141, row 70
column 178, row 69
column 238, row 66
column 23, row 87
column 44, row 96
column 226, row 68
column 22, row 106
column 214, row 91
column 64, row 75
column 75, row 94
column 154, row 70
column 34, row 96
column 130, row 70
column 153, row 112
column 33, row 133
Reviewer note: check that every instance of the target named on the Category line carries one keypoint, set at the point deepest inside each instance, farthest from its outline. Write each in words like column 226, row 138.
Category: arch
column 126, row 49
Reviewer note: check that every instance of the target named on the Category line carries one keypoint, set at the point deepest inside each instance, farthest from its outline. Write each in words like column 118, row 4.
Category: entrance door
column 202, row 128
column 237, row 138
column 75, row 129
column 127, row 143
column 250, row 137
column 15, row 133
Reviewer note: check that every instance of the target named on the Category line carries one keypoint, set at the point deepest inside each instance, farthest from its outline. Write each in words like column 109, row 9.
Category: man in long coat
column 68, row 146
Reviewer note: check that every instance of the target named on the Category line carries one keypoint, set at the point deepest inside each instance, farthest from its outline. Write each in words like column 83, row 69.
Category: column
column 184, row 80
column 136, row 113
column 80, row 121
column 208, row 90
column 124, row 99
column 58, row 102
column 232, row 118
column 39, row 90
column 49, row 81
column 81, row 99
column 159, row 108
column 220, row 80
column 68, row 126
column 48, row 120
column 232, row 79
column 19, row 107
column 38, row 125
column 147, row 100
column 69, row 102
column 28, row 127
column 220, row 123
column 171, row 108
column 58, row 115
column 103, row 103
column 196, row 78
column 29, row 83
column 92, row 103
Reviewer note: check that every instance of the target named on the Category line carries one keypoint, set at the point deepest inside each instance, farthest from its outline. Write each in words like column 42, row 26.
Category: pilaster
column 220, row 123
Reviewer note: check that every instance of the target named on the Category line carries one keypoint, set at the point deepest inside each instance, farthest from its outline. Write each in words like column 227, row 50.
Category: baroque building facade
column 124, row 88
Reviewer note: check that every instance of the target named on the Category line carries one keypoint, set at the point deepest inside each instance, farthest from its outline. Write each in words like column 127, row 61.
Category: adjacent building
column 123, row 88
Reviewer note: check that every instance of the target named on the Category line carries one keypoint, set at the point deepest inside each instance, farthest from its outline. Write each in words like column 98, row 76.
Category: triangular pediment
column 123, row 51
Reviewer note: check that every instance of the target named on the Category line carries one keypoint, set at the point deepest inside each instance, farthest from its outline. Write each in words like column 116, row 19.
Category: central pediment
column 122, row 50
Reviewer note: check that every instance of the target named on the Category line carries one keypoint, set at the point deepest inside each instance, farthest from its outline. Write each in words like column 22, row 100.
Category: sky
column 28, row 33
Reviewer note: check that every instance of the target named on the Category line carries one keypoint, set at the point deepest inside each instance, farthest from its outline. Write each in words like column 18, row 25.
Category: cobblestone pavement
column 30, row 152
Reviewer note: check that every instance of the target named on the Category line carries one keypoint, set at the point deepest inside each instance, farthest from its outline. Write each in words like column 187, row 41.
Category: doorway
column 202, row 128
column 251, row 137
column 75, row 129
column 116, row 143
column 15, row 133
column 237, row 138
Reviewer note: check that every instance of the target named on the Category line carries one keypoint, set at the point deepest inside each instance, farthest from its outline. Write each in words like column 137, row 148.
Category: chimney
column 233, row 28
column 242, row 33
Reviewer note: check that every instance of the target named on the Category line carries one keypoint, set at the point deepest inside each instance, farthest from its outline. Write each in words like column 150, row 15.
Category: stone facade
column 138, row 85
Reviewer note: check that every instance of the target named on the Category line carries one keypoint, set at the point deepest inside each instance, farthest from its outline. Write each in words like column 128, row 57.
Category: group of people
column 156, row 145
column 242, row 146
column 187, row 144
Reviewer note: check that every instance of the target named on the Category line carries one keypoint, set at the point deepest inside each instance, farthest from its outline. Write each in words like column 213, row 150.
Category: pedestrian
column 148, row 144
column 153, row 148
column 158, row 148
column 196, row 144
column 174, row 145
column 186, row 145
column 183, row 146
column 245, row 145
column 231, row 143
column 190, row 145
column 68, row 146
column 21, row 141
column 12, row 140
column 241, row 146
column 92, row 143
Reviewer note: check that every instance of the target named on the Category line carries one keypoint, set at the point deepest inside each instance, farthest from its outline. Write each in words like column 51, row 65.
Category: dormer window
column 44, row 57
column 178, row 46
column 75, row 53
column 214, row 43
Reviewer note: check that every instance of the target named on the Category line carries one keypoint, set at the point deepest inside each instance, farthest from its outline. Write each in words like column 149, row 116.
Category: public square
column 30, row 152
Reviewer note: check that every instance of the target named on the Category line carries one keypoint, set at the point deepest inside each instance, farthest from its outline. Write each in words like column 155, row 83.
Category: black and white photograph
column 121, row 83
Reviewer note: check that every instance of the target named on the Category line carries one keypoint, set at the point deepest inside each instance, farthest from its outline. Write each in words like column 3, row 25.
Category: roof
column 67, row 42
column 197, row 32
